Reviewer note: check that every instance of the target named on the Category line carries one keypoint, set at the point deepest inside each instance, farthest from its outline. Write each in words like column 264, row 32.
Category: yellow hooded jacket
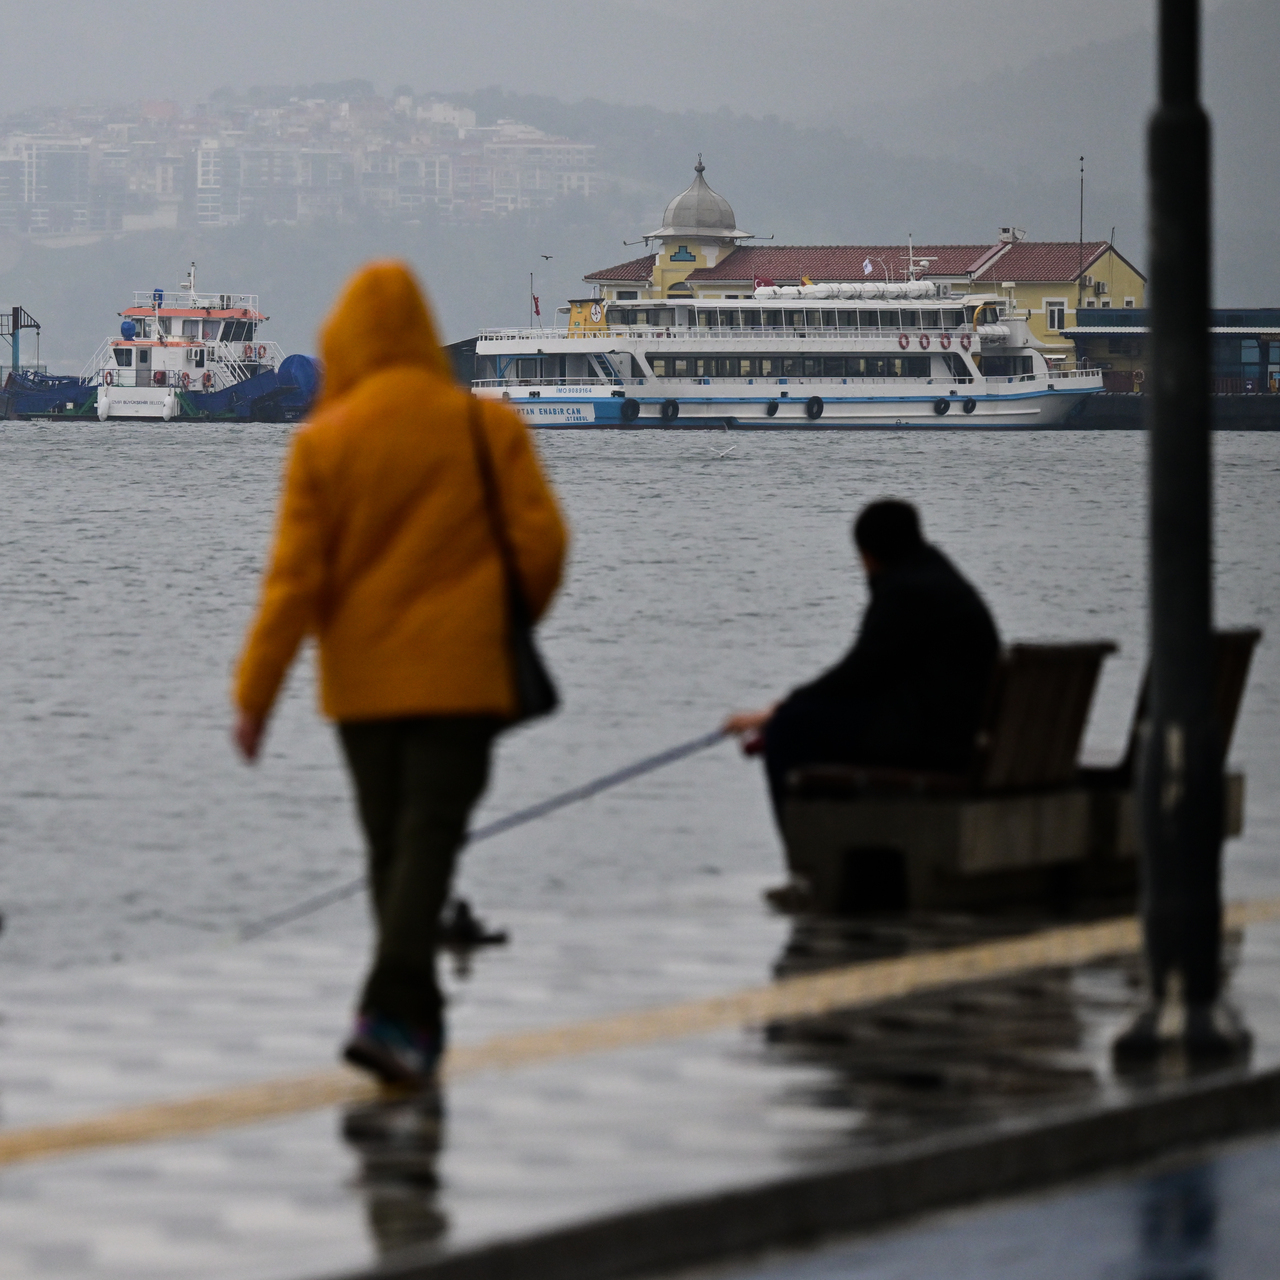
column 383, row 549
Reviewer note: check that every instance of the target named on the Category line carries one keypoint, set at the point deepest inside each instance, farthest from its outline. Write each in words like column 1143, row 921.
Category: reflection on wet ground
column 397, row 1142
column 1215, row 1217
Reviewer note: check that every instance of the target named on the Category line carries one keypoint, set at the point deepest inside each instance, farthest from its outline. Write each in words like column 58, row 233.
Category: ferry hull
column 791, row 409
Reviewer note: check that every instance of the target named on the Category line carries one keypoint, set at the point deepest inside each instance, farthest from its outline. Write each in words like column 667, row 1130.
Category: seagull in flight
column 546, row 257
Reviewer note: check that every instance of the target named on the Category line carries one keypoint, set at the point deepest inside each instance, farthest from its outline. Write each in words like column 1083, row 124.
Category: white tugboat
column 182, row 354
column 668, row 351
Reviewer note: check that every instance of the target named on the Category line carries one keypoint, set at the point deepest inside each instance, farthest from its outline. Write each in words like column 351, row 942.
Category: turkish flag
column 763, row 282
column 537, row 310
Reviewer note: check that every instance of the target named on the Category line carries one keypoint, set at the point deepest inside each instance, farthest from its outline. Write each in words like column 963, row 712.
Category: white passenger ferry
column 837, row 353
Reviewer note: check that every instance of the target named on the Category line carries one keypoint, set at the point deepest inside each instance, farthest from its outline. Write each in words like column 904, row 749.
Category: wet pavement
column 1212, row 1218
column 506, row 1153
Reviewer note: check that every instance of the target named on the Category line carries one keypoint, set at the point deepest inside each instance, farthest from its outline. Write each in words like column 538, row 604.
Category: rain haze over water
column 698, row 583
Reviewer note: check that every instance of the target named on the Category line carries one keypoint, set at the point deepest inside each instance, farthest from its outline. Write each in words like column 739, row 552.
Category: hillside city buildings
column 343, row 153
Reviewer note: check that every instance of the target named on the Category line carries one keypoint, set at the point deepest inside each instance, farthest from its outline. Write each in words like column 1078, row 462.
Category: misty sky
column 800, row 60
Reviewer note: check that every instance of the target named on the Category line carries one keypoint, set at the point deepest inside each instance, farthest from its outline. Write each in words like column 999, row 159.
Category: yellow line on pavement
column 849, row 987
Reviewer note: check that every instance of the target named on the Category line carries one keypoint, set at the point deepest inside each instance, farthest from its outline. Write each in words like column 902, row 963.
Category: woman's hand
column 247, row 735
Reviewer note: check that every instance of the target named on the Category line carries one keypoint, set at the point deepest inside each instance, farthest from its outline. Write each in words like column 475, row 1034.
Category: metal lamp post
column 1180, row 775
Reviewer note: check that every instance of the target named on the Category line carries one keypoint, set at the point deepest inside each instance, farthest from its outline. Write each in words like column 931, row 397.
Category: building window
column 627, row 295
column 1106, row 304
column 1129, row 302
column 682, row 254
column 1090, row 305
column 1055, row 310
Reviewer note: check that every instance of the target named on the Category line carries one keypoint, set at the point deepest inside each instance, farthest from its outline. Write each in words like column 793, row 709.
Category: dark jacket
column 914, row 682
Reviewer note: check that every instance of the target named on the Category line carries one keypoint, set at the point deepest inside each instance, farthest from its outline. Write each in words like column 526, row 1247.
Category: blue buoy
column 128, row 330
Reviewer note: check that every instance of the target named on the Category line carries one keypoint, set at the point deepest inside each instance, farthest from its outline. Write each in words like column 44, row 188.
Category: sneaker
column 395, row 1052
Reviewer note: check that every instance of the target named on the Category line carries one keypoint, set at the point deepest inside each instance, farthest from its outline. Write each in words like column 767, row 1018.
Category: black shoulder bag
column 536, row 693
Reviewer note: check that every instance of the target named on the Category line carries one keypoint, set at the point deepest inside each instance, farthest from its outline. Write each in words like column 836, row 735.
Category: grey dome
column 699, row 211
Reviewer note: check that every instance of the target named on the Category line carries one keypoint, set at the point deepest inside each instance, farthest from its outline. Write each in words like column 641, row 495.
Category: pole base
column 1202, row 1034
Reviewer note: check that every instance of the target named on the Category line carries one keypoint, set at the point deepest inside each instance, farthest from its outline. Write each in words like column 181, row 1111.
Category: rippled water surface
column 698, row 583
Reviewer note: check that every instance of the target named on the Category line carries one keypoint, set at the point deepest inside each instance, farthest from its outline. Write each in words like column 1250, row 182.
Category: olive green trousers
column 416, row 781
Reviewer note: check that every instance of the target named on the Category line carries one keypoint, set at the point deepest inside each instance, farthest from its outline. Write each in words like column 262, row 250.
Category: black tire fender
column 771, row 409
column 970, row 405
column 942, row 406
column 813, row 408
column 630, row 409
column 670, row 410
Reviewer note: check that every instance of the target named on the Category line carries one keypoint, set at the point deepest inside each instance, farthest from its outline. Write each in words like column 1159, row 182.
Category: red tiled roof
column 640, row 269
column 1043, row 261
column 834, row 263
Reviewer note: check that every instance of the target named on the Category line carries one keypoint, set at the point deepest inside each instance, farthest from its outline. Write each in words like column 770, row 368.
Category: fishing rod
column 540, row 810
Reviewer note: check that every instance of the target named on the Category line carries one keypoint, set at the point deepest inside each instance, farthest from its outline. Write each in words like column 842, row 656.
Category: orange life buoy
column 207, row 381
column 158, row 377
column 903, row 341
column 186, row 380
column 924, row 342
column 107, row 378
column 262, row 351
column 966, row 341
column 248, row 350
column 944, row 341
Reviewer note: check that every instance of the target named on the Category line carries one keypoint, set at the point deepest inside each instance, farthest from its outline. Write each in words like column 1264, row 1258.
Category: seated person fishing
column 910, row 693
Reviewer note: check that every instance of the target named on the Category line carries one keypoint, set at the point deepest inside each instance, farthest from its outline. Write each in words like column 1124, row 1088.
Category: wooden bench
column 1025, row 823
column 880, row 839
column 1114, row 842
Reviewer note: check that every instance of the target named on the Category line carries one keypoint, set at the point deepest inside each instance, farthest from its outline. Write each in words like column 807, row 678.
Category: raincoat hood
column 380, row 320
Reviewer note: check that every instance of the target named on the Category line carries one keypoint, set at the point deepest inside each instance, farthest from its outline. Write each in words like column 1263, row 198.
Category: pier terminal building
column 699, row 254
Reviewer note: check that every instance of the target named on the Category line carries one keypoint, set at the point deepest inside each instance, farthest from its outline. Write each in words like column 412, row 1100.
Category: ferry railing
column 706, row 333
column 225, row 360
column 196, row 301
column 790, row 380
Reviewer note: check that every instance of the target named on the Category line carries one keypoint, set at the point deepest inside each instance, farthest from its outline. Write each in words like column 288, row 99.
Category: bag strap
column 492, row 504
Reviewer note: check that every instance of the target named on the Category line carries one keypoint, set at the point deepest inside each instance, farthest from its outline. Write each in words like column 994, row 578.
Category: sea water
column 709, row 571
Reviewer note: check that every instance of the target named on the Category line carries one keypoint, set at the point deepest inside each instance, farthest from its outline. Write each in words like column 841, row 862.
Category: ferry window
column 931, row 319
column 792, row 366
column 613, row 315
column 833, row 367
column 527, row 368
column 682, row 367
column 910, row 319
column 191, row 328
column 659, row 366
column 813, row 319
column 164, row 325
column 706, row 319
column 199, row 362
column 955, row 365
column 209, row 330
column 700, row 367
column 751, row 319
column 123, row 355
column 746, row 368
column 728, row 319
column 952, row 319
column 813, row 366
column 869, row 319
column 663, row 316
column 771, row 319
column 915, row 366
column 144, row 355
column 768, row 367
column 848, row 319
column 889, row 320
column 828, row 319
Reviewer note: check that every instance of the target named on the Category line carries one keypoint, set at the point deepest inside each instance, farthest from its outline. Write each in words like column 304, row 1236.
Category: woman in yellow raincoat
column 386, row 554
